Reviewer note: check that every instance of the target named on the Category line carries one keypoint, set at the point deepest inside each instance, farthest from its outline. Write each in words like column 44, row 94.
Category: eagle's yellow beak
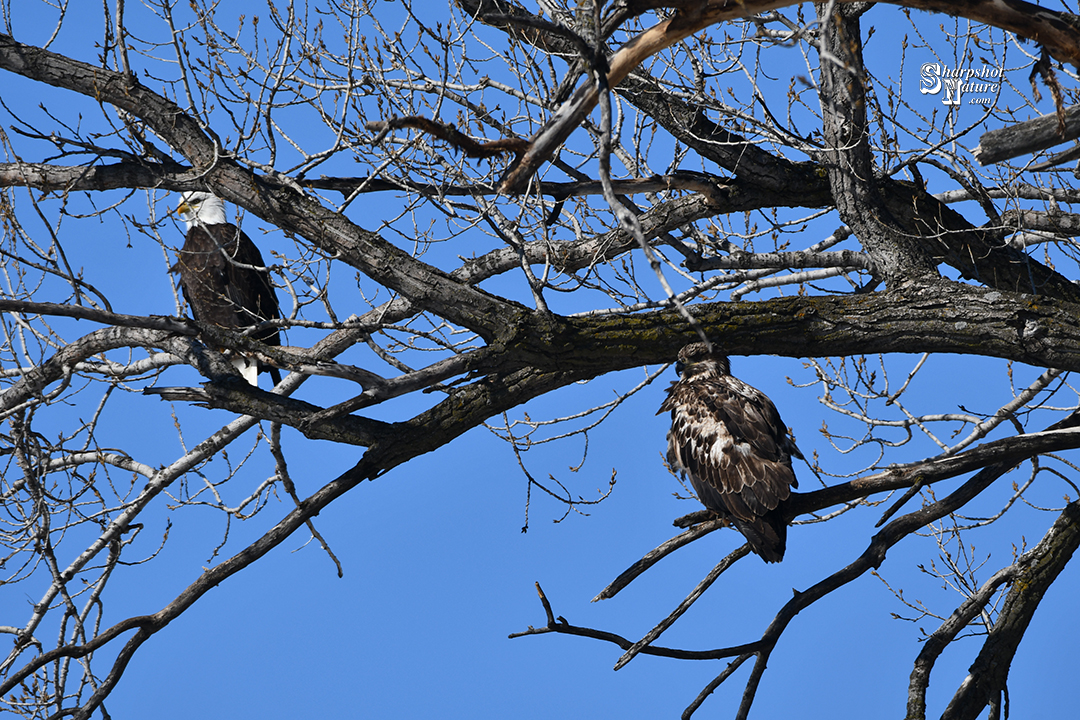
column 183, row 208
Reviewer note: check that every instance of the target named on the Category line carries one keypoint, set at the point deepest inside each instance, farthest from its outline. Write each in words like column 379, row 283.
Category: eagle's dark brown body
column 728, row 439
column 222, row 274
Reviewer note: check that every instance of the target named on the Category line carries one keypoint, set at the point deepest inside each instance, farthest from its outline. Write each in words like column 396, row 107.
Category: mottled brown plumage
column 222, row 275
column 728, row 439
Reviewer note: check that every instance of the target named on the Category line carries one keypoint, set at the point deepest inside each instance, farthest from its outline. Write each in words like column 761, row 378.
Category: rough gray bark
column 265, row 196
column 1056, row 30
column 1027, row 137
column 900, row 256
column 979, row 255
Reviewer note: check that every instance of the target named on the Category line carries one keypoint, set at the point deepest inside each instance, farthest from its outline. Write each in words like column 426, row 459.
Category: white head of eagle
column 201, row 208
column 728, row 439
column 223, row 277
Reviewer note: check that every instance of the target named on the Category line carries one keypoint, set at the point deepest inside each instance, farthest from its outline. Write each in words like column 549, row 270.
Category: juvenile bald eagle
column 728, row 438
column 223, row 277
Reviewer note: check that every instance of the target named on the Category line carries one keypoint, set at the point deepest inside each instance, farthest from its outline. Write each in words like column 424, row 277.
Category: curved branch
column 81, row 312
column 945, row 634
column 994, row 458
column 1038, row 570
column 269, row 199
column 561, row 626
column 244, row 399
column 871, row 558
column 1010, row 451
column 34, row 381
column 1057, row 31
column 978, row 254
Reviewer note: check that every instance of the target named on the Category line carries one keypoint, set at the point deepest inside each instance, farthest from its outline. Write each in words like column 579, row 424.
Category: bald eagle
column 223, row 277
column 728, row 438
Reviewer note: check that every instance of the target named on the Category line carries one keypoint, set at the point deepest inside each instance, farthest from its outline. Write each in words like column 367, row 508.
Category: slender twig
column 559, row 624
column 282, row 470
column 741, row 552
column 656, row 555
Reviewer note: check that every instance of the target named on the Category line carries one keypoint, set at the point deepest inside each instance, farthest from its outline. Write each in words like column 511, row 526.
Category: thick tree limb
column 1059, row 223
column 1058, row 32
column 1027, row 137
column 946, row 317
column 426, row 286
column 899, row 256
column 98, row 176
column 938, row 318
column 978, row 255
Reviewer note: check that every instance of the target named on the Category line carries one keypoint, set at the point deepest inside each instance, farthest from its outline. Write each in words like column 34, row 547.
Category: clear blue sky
column 438, row 572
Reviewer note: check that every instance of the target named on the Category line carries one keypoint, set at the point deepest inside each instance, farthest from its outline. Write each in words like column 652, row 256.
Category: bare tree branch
column 1035, row 572
column 452, row 234
column 1027, row 137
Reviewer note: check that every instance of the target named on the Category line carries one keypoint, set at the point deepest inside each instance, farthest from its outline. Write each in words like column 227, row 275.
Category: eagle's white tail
column 248, row 368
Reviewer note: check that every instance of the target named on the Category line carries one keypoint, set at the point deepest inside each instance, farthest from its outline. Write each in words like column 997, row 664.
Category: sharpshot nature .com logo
column 980, row 86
